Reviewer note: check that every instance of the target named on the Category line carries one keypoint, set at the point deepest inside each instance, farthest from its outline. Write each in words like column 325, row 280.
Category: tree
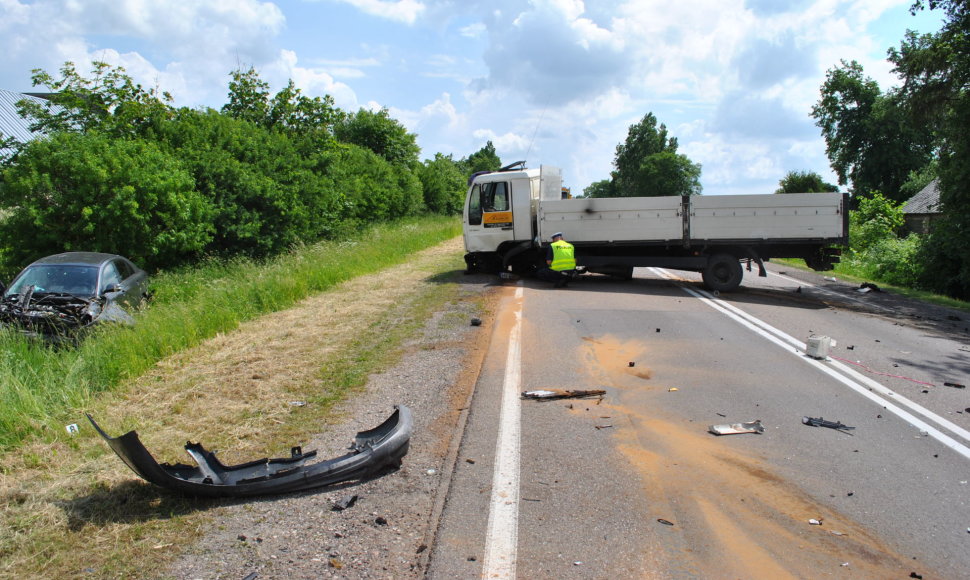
column 381, row 134
column 290, row 111
column 248, row 97
column 647, row 163
column 111, row 103
column 804, row 182
column 936, row 73
column 870, row 137
column 918, row 180
column 485, row 159
column 444, row 184
column 602, row 188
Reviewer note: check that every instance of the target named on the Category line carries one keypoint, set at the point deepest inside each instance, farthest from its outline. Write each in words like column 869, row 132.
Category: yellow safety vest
column 562, row 256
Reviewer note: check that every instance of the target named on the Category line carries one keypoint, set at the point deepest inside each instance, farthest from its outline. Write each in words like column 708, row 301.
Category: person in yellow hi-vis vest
column 560, row 262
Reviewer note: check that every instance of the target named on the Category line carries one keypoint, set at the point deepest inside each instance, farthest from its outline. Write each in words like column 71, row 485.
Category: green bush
column 255, row 180
column 93, row 193
column 876, row 219
column 373, row 189
column 891, row 260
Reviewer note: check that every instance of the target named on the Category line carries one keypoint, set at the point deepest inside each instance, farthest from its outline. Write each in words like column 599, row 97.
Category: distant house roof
column 926, row 201
column 11, row 123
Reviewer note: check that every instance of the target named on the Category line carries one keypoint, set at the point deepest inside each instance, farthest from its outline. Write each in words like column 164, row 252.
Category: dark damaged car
column 58, row 296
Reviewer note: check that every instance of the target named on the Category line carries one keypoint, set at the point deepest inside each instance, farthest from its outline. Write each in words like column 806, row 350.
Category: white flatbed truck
column 510, row 214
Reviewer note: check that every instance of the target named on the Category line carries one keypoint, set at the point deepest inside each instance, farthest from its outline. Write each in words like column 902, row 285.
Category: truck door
column 488, row 216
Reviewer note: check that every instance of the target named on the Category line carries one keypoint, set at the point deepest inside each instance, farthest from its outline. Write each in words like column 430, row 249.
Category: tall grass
column 40, row 385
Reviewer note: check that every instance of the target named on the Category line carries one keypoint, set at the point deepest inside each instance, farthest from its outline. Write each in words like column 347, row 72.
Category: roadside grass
column 38, row 384
column 845, row 272
column 71, row 508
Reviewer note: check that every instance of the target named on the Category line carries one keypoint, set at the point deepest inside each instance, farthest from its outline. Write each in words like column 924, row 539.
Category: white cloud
column 506, row 142
column 186, row 47
column 555, row 81
column 476, row 30
column 406, row 11
column 313, row 82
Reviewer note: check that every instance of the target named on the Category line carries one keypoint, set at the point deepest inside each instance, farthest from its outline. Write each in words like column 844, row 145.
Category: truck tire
column 723, row 273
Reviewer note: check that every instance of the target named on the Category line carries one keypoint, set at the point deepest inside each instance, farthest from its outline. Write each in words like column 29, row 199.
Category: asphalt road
column 633, row 485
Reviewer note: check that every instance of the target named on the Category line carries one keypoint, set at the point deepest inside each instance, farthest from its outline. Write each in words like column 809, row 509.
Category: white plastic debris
column 72, row 429
column 736, row 428
column 818, row 346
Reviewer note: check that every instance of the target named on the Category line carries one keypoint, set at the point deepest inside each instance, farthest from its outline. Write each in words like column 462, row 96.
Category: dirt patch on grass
column 289, row 378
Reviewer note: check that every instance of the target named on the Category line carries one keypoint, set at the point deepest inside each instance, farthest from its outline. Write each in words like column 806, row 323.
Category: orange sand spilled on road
column 611, row 357
column 733, row 516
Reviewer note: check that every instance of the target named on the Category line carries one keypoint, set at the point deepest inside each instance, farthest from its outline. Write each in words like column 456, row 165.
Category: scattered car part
column 818, row 346
column 371, row 451
column 955, row 385
column 737, row 428
column 344, row 503
column 820, row 422
column 549, row 394
column 56, row 296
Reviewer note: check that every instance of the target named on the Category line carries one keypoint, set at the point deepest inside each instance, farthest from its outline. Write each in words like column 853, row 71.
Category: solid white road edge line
column 501, row 539
column 785, row 341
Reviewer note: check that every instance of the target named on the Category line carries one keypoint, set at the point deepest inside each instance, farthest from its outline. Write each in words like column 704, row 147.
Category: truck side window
column 497, row 197
column 475, row 206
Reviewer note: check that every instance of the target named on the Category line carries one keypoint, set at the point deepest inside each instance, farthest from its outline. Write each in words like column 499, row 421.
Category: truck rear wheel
column 723, row 273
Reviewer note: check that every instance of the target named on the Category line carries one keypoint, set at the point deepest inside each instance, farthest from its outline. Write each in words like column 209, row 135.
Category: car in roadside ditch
column 57, row 296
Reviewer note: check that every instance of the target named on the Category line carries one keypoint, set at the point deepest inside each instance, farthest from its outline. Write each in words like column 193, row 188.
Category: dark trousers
column 560, row 277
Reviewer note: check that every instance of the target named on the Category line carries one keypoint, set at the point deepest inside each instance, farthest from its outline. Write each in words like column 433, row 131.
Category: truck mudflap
column 371, row 451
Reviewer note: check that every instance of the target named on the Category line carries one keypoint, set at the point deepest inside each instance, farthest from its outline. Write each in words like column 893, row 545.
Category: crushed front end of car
column 50, row 315
column 371, row 452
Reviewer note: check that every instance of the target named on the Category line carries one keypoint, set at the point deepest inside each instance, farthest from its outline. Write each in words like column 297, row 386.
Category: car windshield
column 46, row 278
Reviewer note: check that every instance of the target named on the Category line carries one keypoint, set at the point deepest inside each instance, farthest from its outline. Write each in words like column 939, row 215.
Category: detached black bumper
column 371, row 451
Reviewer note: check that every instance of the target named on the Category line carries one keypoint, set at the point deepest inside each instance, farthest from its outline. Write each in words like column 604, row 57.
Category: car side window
column 124, row 268
column 110, row 276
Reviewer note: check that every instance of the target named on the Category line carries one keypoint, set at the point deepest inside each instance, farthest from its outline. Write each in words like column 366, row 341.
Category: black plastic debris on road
column 820, row 422
column 954, row 385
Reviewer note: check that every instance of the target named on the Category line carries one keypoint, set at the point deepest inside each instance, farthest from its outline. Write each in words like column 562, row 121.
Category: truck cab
column 499, row 215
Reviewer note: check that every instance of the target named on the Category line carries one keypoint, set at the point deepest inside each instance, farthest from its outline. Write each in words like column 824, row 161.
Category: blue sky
column 554, row 82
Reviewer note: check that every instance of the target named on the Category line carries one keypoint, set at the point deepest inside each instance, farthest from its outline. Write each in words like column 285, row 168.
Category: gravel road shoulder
column 387, row 531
